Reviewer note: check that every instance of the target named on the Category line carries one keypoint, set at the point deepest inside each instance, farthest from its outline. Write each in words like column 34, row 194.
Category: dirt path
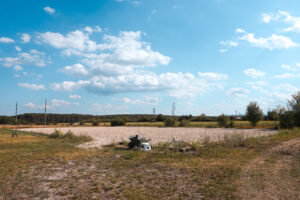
column 275, row 174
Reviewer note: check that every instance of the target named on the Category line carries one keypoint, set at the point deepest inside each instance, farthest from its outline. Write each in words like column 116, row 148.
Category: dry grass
column 33, row 166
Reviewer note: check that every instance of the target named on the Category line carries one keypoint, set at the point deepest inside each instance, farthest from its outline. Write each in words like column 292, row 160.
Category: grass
column 34, row 165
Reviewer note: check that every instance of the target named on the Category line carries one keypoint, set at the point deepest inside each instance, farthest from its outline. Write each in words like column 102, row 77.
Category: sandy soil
column 108, row 135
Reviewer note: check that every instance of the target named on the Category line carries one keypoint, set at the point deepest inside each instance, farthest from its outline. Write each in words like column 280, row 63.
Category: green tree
column 223, row 120
column 253, row 113
column 294, row 106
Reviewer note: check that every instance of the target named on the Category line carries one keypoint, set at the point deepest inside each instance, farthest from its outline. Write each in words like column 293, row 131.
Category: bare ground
column 107, row 135
column 275, row 174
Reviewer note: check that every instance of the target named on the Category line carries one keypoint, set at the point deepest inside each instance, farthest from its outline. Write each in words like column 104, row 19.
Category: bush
column 184, row 123
column 286, row 120
column 81, row 123
column 223, row 120
column 230, row 124
column 160, row 118
column 171, row 121
column 253, row 113
column 56, row 134
column 95, row 122
column 118, row 122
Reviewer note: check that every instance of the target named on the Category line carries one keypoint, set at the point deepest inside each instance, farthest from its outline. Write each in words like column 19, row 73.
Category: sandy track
column 108, row 135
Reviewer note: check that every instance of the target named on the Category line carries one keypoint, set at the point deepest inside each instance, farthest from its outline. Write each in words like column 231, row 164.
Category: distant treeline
column 38, row 118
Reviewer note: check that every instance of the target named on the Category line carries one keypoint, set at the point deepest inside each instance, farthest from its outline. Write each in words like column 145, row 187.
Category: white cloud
column 32, row 86
column 272, row 42
column 238, row 30
column 75, row 96
column 223, row 50
column 97, row 108
column 253, row 73
column 287, row 75
column 6, row 40
column 73, row 41
column 136, row 3
column 18, row 48
column 69, row 85
column 289, row 68
column 33, row 57
column 237, row 92
column 212, row 76
column 146, row 101
column 229, row 43
column 76, row 70
column 25, row 38
column 53, row 105
column 49, row 10
column 18, row 68
column 90, row 30
column 284, row 17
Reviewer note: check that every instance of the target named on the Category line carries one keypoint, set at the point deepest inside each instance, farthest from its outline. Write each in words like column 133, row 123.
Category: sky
column 130, row 56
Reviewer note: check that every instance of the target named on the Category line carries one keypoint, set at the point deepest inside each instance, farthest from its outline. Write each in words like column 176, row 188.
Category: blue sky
column 130, row 56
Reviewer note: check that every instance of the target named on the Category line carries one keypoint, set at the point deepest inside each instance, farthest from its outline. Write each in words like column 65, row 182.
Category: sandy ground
column 108, row 135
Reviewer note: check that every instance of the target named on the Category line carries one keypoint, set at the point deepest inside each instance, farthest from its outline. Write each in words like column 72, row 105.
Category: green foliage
column 118, row 122
column 294, row 105
column 184, row 123
column 160, row 118
column 95, row 122
column 286, row 120
column 230, row 124
column 69, row 136
column 223, row 120
column 273, row 115
column 81, row 123
column 170, row 121
column 253, row 113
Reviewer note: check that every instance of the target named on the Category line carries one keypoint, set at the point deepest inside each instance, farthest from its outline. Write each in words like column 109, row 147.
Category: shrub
column 81, row 123
column 118, row 122
column 170, row 121
column 184, row 122
column 56, row 134
column 95, row 122
column 253, row 113
column 223, row 120
column 286, row 120
column 160, row 118
column 230, row 124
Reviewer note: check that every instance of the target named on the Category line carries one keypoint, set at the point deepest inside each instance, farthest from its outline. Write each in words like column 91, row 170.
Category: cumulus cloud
column 49, row 10
column 271, row 42
column 6, row 40
column 25, row 37
column 237, row 92
column 253, row 73
column 33, row 57
column 76, row 70
column 32, row 86
column 284, row 17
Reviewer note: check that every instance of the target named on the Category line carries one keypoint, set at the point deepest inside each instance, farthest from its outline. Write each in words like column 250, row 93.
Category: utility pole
column 45, row 113
column 153, row 111
column 17, row 114
column 173, row 109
